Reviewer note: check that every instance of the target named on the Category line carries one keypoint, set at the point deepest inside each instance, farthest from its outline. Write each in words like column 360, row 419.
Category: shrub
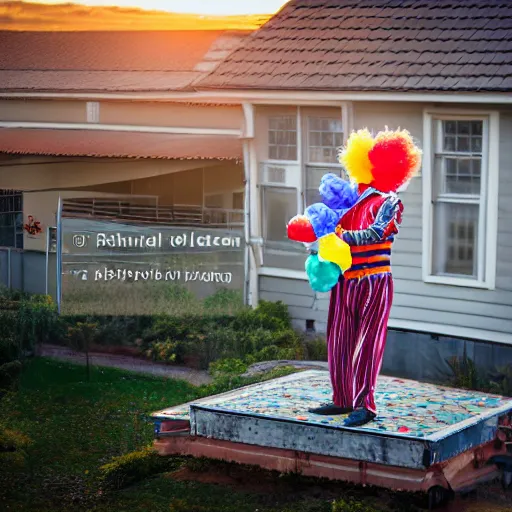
column 33, row 321
column 9, row 373
column 228, row 367
column 165, row 351
column 133, row 467
column 316, row 349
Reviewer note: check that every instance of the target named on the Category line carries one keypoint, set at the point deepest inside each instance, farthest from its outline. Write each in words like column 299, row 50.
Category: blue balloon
column 337, row 193
column 323, row 219
column 322, row 275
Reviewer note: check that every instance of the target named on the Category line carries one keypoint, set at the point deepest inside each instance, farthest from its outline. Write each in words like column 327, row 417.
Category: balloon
column 323, row 219
column 334, row 249
column 300, row 229
column 323, row 276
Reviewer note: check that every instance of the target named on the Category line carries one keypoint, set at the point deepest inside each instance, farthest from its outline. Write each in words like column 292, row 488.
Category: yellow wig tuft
column 354, row 156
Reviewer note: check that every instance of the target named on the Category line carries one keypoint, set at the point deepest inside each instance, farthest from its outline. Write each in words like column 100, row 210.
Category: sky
column 216, row 7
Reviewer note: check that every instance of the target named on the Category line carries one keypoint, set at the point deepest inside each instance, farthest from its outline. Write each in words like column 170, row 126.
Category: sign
column 114, row 263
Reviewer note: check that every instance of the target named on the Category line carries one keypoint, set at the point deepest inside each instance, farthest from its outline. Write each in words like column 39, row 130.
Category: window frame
column 15, row 193
column 302, row 162
column 488, row 208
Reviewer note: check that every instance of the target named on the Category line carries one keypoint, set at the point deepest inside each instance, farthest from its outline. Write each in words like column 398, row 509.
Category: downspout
column 59, row 255
column 247, row 220
column 251, row 260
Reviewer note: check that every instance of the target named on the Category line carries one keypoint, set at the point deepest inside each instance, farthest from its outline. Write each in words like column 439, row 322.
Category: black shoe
column 359, row 417
column 331, row 410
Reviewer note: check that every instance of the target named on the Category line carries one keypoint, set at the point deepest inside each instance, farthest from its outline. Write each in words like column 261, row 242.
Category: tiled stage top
column 405, row 408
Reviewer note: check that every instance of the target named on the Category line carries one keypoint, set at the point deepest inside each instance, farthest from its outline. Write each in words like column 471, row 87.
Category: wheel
column 437, row 496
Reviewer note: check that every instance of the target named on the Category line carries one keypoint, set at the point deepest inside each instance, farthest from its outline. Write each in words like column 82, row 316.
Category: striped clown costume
column 350, row 236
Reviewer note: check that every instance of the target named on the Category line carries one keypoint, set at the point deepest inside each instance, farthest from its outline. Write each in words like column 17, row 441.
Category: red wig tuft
column 395, row 159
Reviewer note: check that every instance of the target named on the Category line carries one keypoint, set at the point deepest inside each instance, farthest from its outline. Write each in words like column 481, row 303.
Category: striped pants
column 356, row 337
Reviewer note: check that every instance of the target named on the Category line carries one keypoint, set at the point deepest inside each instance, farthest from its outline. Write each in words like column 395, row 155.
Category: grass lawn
column 77, row 426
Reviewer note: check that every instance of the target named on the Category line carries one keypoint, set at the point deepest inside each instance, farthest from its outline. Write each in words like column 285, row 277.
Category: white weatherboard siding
column 479, row 313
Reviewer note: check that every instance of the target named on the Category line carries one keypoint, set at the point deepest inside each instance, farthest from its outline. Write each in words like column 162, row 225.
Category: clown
column 360, row 247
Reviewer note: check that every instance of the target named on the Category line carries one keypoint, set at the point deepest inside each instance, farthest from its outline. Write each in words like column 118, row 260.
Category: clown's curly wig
column 385, row 161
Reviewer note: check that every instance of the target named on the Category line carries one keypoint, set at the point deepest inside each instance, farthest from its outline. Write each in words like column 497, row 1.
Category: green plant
column 228, row 367
column 351, row 505
column 133, row 467
column 165, row 351
column 316, row 349
column 501, row 381
column 466, row 374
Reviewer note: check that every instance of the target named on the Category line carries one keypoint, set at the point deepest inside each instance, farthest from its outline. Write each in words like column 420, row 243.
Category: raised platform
column 419, row 425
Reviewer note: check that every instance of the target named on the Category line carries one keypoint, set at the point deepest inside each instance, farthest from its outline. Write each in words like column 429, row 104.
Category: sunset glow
column 212, row 7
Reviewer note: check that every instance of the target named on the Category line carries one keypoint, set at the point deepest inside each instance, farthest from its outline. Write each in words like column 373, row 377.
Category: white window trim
column 490, row 156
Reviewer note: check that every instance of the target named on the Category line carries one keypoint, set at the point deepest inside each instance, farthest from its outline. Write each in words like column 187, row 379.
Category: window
column 324, row 138
column 11, row 218
column 301, row 149
column 279, row 205
column 460, row 211
column 282, row 138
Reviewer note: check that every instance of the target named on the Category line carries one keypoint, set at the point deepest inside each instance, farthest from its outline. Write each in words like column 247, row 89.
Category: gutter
column 268, row 97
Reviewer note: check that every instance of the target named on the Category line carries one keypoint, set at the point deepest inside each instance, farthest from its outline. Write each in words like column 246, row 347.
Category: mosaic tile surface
column 405, row 407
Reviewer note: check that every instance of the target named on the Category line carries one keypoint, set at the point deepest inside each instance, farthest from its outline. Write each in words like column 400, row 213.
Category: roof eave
column 205, row 94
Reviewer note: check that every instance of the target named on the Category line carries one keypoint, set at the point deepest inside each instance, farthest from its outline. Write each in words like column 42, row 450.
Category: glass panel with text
column 459, row 173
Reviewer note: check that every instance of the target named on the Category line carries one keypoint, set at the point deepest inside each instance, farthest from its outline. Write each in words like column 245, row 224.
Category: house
column 280, row 102
column 443, row 70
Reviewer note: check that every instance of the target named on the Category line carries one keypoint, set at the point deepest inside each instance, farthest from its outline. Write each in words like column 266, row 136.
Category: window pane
column 279, row 206
column 449, row 144
column 457, row 175
column 477, row 127
column 450, row 127
column 463, row 144
column 455, row 239
column 476, row 144
column 463, row 127
column 325, row 136
column 282, row 138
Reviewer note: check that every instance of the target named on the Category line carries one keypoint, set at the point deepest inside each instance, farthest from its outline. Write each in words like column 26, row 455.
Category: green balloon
column 322, row 275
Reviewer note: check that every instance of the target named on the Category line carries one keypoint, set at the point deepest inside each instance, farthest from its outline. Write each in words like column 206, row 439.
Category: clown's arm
column 385, row 225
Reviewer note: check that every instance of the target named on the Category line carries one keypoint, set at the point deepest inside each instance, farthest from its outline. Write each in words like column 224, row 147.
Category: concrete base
column 425, row 436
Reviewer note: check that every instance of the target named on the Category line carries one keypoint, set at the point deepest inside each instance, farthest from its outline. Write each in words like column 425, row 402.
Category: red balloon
column 299, row 229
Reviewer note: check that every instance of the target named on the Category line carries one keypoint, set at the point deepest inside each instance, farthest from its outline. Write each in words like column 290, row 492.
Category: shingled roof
column 116, row 61
column 376, row 45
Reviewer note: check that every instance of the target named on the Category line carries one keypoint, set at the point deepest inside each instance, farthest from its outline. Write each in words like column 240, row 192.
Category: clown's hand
column 333, row 249
column 322, row 275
